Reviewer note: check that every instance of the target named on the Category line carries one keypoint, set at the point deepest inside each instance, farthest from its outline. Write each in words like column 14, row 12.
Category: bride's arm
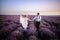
column 29, row 19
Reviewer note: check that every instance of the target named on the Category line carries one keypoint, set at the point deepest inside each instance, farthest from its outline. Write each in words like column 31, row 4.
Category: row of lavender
column 11, row 29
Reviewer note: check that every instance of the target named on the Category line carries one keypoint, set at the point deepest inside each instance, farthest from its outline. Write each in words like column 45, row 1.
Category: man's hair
column 38, row 13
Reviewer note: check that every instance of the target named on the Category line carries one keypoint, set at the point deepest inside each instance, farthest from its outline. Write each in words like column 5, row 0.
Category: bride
column 24, row 21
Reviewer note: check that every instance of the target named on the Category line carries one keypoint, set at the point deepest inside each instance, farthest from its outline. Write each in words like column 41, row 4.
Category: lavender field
column 11, row 28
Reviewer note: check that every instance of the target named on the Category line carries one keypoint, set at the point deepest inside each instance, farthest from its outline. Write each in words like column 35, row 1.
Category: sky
column 29, row 6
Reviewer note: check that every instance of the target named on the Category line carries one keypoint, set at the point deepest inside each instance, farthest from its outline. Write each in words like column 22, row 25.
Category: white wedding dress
column 24, row 22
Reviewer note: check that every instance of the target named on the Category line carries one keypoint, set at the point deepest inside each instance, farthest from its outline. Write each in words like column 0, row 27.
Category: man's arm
column 34, row 18
column 40, row 18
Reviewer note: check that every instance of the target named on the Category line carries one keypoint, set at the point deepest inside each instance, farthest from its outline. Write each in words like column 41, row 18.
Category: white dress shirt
column 37, row 18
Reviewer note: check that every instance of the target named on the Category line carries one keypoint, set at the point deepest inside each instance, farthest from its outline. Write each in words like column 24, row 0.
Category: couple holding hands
column 24, row 21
